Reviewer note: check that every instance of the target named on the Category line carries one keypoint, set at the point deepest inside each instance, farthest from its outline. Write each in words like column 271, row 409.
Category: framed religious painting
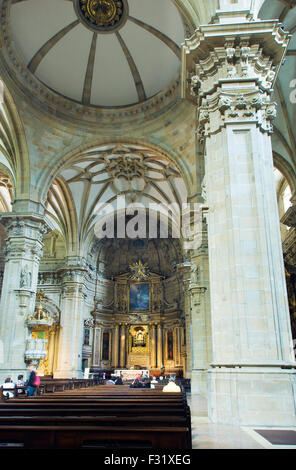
column 139, row 300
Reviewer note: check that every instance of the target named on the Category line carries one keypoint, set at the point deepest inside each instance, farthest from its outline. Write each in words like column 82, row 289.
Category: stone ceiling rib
column 89, row 71
column 35, row 61
column 135, row 73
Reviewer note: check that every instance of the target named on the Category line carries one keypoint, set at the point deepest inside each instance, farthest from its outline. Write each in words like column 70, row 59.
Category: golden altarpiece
column 139, row 328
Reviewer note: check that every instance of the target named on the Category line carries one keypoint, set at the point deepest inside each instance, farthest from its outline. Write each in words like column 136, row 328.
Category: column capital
column 73, row 280
column 229, row 70
column 26, row 224
column 74, row 270
column 232, row 53
column 24, row 235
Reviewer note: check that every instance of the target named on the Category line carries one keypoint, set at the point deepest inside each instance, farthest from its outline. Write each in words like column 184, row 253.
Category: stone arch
column 286, row 169
column 14, row 147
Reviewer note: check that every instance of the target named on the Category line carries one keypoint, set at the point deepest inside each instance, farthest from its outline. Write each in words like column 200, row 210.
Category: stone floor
column 207, row 435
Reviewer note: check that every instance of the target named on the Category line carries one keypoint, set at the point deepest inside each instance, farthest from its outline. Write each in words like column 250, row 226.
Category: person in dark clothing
column 147, row 383
column 136, row 384
column 118, row 381
column 31, row 388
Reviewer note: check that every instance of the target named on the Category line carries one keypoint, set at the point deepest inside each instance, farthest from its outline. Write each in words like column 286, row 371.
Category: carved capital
column 24, row 235
column 230, row 70
column 229, row 108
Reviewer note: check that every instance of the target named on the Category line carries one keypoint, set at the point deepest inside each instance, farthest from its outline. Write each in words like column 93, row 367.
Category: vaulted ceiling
column 116, row 67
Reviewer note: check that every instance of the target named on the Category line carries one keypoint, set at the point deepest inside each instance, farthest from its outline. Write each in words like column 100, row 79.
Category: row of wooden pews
column 53, row 385
column 100, row 417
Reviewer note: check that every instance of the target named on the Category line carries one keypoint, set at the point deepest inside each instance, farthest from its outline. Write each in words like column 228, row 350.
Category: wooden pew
column 79, row 437
column 95, row 419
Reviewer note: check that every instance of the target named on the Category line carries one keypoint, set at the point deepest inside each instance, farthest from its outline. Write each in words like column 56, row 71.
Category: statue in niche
column 139, row 339
column 195, row 274
column 26, row 278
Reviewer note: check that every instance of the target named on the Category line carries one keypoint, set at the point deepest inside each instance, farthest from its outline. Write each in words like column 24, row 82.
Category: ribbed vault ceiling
column 87, row 188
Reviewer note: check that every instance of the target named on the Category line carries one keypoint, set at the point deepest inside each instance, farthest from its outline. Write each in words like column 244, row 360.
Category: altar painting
column 139, row 297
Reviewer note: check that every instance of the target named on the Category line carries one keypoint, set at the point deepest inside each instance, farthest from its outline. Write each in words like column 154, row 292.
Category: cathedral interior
column 110, row 108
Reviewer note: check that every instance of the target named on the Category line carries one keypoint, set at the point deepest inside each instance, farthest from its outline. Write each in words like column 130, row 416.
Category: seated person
column 154, row 381
column 147, row 383
column 110, row 382
column 21, row 383
column 136, row 384
column 8, row 384
column 118, row 381
column 171, row 386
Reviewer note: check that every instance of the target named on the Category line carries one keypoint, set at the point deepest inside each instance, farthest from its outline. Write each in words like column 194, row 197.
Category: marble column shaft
column 122, row 345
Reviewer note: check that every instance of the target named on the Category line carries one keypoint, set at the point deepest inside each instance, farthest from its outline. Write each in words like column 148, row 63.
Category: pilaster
column 71, row 332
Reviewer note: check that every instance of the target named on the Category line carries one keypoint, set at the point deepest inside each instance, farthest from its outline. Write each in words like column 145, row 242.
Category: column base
column 252, row 396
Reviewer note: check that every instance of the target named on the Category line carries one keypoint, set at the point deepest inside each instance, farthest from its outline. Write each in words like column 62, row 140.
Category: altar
column 131, row 374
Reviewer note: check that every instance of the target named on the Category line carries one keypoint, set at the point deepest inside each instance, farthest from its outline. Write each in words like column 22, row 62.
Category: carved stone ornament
column 239, row 107
column 102, row 16
column 139, row 271
column 232, row 69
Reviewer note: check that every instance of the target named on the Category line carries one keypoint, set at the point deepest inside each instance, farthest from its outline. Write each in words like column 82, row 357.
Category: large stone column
column 229, row 71
column 159, row 346
column 71, row 333
column 115, row 347
column 122, row 345
column 23, row 252
column 153, row 346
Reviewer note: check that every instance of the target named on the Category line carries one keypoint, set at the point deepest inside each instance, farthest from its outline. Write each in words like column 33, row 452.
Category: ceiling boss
column 102, row 15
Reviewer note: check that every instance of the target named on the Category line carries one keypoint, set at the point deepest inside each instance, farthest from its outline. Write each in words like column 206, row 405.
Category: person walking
column 31, row 384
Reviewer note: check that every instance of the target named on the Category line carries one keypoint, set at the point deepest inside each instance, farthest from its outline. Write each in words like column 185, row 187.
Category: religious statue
column 139, row 339
column 26, row 278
